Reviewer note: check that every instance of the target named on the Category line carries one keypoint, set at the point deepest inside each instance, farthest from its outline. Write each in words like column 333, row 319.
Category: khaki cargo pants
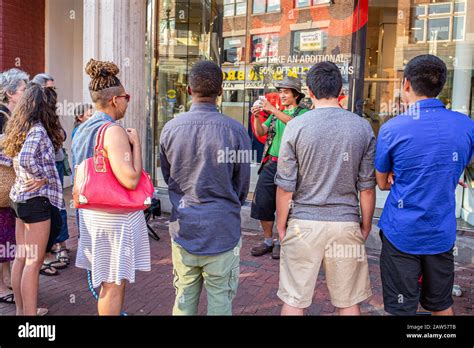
column 218, row 273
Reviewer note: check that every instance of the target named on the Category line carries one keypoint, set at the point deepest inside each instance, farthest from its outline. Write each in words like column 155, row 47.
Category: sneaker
column 276, row 251
column 261, row 249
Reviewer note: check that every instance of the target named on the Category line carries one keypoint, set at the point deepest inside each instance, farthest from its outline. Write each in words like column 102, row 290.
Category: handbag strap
column 99, row 142
column 99, row 162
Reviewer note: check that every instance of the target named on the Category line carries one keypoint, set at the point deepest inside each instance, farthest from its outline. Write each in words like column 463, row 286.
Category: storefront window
column 281, row 42
column 257, row 44
column 404, row 29
column 439, row 28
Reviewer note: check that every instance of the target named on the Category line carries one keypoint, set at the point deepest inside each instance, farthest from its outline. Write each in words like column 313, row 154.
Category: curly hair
column 10, row 81
column 104, row 83
column 35, row 106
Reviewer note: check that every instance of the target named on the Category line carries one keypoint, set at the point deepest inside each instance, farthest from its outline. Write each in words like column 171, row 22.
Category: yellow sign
column 171, row 94
column 311, row 40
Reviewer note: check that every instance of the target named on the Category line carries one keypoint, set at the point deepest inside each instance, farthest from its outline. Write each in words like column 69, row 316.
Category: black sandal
column 10, row 299
column 55, row 264
column 52, row 271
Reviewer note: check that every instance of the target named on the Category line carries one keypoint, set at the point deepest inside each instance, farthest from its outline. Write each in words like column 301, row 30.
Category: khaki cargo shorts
column 339, row 247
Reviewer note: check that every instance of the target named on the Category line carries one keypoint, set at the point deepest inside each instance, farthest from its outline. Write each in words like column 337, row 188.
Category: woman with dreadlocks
column 112, row 246
column 32, row 136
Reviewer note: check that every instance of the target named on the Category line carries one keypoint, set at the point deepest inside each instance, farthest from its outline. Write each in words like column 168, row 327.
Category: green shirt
column 279, row 129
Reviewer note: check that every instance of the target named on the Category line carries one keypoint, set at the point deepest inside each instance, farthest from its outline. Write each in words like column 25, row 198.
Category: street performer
column 264, row 201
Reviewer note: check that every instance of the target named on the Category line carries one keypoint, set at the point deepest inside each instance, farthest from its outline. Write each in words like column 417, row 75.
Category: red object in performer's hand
column 274, row 99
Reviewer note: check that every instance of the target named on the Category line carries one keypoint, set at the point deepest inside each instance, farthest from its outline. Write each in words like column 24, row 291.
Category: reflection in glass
column 440, row 8
column 458, row 28
column 438, row 29
column 459, row 7
column 264, row 46
column 309, row 42
column 234, row 49
column 263, row 6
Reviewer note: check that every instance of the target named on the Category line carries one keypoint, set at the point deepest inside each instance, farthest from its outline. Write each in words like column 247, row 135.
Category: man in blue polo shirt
column 426, row 150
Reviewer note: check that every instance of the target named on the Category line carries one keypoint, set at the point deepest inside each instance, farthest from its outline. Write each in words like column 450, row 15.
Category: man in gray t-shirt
column 326, row 161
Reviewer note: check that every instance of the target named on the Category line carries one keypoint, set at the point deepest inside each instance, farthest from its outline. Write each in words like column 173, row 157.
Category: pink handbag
column 97, row 188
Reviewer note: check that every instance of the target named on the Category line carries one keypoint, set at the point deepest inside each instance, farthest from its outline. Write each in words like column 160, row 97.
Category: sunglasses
column 126, row 96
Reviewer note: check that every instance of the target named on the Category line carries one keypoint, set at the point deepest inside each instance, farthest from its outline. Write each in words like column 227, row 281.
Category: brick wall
column 22, row 35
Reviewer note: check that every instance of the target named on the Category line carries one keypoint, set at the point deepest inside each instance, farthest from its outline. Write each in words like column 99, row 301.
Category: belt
column 270, row 158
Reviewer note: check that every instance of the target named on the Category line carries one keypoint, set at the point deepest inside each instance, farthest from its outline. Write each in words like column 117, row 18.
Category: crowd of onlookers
column 35, row 101
column 316, row 186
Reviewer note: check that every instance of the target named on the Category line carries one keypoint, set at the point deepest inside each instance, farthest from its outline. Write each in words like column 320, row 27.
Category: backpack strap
column 298, row 111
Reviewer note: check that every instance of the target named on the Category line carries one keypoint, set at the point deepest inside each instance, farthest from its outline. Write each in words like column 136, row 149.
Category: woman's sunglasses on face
column 126, row 96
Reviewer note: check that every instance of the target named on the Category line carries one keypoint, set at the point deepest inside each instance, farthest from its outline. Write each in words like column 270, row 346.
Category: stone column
column 115, row 30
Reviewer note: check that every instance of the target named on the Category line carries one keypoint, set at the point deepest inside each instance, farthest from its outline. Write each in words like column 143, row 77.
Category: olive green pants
column 218, row 273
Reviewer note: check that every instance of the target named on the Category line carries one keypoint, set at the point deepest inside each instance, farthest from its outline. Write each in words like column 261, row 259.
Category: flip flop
column 52, row 271
column 10, row 299
column 62, row 255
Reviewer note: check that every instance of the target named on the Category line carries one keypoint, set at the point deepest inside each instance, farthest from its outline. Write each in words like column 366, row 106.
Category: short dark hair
column 427, row 75
column 324, row 80
column 205, row 79
column 297, row 95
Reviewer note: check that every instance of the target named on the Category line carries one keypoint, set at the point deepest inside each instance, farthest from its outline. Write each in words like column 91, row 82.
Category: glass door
column 187, row 31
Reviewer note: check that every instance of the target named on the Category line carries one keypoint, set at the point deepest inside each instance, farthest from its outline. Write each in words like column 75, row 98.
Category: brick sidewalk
column 153, row 293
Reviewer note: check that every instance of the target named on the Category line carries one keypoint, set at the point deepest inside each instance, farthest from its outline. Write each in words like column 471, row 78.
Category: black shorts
column 264, row 198
column 411, row 279
column 39, row 209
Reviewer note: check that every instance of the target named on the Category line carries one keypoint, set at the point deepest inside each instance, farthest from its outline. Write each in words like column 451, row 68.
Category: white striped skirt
column 113, row 246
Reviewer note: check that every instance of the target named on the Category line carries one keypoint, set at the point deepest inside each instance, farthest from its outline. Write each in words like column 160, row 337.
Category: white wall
column 115, row 30
column 63, row 48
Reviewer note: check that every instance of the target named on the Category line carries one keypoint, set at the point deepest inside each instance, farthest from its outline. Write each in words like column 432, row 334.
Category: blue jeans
column 64, row 234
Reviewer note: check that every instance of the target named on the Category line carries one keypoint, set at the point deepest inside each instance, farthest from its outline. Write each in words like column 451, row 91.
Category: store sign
column 311, row 41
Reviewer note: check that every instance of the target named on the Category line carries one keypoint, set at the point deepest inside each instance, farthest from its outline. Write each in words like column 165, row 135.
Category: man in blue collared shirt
column 205, row 160
column 420, row 156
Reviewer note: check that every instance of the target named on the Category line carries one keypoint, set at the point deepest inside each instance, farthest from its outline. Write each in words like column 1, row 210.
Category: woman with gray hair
column 44, row 80
column 12, row 85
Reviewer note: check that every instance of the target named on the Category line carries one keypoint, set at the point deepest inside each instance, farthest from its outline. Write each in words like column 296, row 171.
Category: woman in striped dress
column 111, row 246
